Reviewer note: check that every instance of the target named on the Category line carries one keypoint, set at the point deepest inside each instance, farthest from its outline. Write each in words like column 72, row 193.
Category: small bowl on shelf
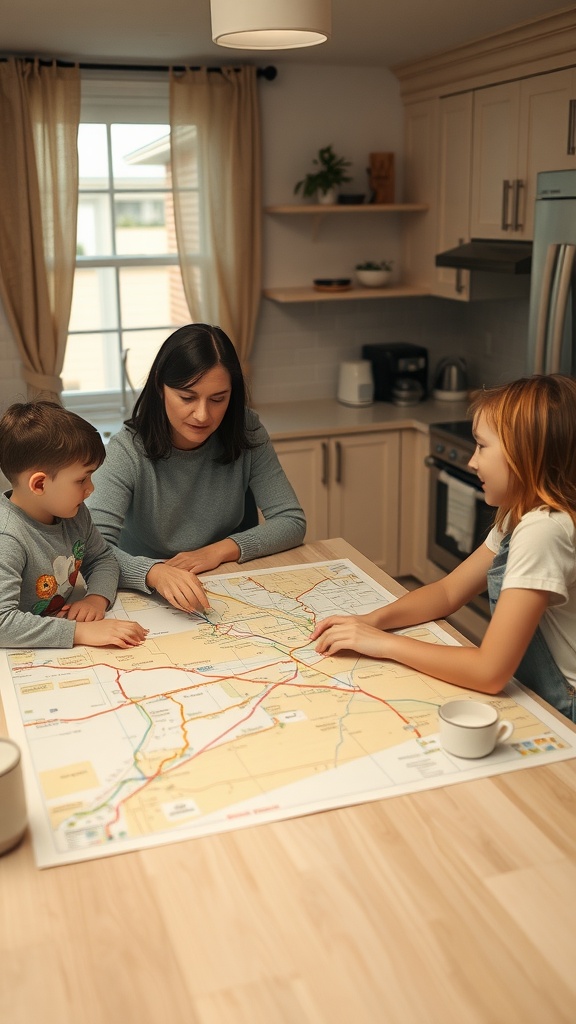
column 373, row 278
column 332, row 284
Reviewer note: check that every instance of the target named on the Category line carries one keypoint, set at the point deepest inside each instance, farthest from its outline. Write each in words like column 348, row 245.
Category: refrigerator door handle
column 544, row 306
column 565, row 267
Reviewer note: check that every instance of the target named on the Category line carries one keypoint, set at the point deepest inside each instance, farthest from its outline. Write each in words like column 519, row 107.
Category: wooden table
column 454, row 905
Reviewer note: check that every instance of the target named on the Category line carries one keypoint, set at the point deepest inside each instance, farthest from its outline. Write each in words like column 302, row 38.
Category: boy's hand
column 109, row 633
column 90, row 609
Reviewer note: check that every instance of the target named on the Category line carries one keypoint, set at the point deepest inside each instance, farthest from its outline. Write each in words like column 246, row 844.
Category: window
column 128, row 294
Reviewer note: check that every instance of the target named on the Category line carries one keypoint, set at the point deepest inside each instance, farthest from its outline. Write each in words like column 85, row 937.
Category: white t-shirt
column 542, row 556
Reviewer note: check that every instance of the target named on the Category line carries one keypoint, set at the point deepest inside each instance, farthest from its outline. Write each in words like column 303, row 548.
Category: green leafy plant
column 331, row 172
column 372, row 265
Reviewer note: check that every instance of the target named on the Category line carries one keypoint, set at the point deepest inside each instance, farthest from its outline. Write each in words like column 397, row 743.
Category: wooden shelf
column 308, row 294
column 318, row 210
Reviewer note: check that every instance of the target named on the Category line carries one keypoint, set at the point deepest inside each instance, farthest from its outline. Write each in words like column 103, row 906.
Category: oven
column 459, row 518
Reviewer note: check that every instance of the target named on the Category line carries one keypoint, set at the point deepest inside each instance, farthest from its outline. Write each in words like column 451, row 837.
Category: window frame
column 134, row 97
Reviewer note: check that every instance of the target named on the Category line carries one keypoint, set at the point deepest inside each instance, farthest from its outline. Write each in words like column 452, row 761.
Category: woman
column 525, row 457
column 179, row 476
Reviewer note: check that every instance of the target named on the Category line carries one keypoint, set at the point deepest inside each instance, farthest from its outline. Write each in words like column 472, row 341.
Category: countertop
column 287, row 420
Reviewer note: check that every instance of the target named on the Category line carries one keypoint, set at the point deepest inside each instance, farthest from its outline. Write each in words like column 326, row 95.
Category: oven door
column 442, row 548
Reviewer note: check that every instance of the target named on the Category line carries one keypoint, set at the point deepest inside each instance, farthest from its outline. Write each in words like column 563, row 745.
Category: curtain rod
column 269, row 73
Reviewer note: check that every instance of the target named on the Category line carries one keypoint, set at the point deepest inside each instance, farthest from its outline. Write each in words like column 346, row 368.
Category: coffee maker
column 399, row 369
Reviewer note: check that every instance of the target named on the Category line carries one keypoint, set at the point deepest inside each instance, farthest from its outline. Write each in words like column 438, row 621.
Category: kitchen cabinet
column 481, row 121
column 414, row 503
column 519, row 129
column 349, row 486
column 421, row 175
column 317, row 213
column 473, row 157
column 454, row 178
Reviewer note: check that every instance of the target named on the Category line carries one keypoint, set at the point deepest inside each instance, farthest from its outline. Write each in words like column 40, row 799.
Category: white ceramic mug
column 13, row 817
column 469, row 728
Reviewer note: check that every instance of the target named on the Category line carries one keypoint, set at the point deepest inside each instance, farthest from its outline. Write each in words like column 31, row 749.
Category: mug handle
column 504, row 731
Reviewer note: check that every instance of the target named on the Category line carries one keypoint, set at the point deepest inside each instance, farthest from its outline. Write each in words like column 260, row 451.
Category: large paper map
column 234, row 720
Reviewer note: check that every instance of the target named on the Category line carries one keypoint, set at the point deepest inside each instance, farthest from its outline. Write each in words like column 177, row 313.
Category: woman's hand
column 206, row 558
column 349, row 633
column 180, row 587
column 109, row 633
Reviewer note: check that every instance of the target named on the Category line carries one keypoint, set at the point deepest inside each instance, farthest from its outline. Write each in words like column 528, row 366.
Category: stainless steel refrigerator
column 552, row 324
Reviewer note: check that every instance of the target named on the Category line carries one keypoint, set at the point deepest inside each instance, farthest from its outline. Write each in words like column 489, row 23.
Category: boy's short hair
column 45, row 436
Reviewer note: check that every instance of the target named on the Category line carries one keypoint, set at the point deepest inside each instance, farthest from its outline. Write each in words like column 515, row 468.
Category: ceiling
column 364, row 32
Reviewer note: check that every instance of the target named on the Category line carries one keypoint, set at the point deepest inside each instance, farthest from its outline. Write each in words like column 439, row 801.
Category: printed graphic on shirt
column 53, row 589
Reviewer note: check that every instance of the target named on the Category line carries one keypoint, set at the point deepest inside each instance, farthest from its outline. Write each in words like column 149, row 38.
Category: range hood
column 492, row 255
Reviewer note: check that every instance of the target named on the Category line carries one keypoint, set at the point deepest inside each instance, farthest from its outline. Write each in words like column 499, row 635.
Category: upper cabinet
column 453, row 195
column 519, row 129
column 481, row 121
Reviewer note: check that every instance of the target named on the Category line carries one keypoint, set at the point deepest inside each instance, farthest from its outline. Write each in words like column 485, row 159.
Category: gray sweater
column 151, row 510
column 39, row 565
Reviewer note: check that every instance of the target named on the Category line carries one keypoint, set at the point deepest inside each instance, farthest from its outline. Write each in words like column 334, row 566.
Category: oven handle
column 460, row 474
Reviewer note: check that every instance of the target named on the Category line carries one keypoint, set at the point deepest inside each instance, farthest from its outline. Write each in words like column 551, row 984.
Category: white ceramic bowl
column 373, row 278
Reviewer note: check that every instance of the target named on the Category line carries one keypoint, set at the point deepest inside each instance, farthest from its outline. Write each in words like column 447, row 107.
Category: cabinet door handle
column 571, row 147
column 506, row 186
column 324, row 462
column 338, row 462
column 518, row 186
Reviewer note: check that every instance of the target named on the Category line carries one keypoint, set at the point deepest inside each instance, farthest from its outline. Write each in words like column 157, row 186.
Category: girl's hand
column 349, row 633
column 333, row 620
column 109, row 633
column 206, row 558
column 178, row 586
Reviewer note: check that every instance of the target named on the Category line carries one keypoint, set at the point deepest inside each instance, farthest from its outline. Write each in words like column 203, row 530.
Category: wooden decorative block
column 381, row 177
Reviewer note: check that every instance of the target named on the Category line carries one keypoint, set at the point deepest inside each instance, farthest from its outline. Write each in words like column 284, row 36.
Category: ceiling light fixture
column 270, row 24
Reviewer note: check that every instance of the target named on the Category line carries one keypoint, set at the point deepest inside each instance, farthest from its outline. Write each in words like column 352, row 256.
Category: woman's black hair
column 183, row 358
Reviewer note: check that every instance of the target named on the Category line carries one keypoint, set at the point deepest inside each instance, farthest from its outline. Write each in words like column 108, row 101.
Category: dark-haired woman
column 172, row 494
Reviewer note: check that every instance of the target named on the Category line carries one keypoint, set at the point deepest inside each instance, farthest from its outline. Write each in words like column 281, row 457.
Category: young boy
column 47, row 536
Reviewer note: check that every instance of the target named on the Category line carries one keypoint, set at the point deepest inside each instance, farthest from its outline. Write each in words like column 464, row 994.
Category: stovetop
column 462, row 429
column 452, row 442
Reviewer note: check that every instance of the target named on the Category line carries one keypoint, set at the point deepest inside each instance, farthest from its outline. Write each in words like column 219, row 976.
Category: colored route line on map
column 236, row 627
column 211, row 678
column 181, row 757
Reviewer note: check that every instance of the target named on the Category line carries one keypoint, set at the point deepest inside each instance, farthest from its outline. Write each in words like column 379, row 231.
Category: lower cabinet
column 414, row 504
column 349, row 486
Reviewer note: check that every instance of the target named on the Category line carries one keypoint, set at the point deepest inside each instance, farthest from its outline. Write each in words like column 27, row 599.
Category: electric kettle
column 451, row 380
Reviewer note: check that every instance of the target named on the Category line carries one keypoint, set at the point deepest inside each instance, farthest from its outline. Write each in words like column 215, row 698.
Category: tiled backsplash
column 299, row 347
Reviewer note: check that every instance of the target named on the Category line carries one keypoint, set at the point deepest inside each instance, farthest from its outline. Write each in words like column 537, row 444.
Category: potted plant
column 323, row 182
column 374, row 274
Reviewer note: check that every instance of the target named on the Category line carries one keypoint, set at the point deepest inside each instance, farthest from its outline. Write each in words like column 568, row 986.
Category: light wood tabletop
column 454, row 905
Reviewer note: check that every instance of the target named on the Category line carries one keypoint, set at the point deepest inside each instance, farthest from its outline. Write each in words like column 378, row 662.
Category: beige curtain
column 217, row 186
column 39, row 116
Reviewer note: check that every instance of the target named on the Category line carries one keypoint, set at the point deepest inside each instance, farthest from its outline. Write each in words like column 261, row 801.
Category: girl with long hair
column 525, row 457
